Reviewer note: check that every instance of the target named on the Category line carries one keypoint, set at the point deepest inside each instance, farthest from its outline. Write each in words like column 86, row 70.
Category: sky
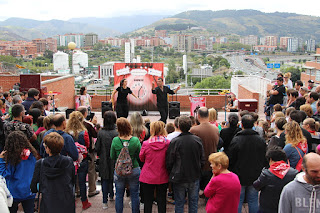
column 67, row 9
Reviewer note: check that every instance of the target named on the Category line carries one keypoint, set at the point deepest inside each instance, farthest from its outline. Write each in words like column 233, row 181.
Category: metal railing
column 184, row 91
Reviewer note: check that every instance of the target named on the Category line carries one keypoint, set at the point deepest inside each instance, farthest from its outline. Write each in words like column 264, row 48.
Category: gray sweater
column 296, row 197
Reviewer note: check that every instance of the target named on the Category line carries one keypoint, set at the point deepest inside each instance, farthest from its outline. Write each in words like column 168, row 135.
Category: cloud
column 66, row 9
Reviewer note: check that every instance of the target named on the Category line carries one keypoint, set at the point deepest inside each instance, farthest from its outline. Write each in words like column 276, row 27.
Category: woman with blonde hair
column 213, row 116
column 296, row 144
column 307, row 109
column 138, row 128
column 224, row 188
column 286, row 80
column 154, row 175
column 312, row 126
column 77, row 130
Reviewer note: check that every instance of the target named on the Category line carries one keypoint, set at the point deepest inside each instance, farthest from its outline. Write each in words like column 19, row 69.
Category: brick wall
column 65, row 85
column 7, row 81
column 305, row 77
column 246, row 93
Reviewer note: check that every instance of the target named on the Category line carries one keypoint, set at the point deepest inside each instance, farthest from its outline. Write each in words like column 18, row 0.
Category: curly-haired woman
column 17, row 163
column 79, row 133
column 296, row 144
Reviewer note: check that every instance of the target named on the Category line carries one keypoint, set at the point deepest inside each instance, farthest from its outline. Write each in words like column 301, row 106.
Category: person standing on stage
column 162, row 100
column 122, row 107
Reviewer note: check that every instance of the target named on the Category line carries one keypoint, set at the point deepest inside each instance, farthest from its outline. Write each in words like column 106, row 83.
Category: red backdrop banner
column 139, row 77
column 196, row 102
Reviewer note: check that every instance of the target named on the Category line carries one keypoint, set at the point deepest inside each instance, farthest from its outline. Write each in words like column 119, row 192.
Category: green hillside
column 244, row 22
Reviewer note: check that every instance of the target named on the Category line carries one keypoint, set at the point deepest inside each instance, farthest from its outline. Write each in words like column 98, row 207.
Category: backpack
column 299, row 164
column 124, row 164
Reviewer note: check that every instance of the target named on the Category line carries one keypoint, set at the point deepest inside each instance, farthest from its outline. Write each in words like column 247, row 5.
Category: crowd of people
column 273, row 164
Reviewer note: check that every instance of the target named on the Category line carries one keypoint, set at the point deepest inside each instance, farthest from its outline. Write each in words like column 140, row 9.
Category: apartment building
column 90, row 39
column 45, row 44
column 284, row 42
column 311, row 45
column 294, row 44
column 269, row 41
column 249, row 40
column 63, row 40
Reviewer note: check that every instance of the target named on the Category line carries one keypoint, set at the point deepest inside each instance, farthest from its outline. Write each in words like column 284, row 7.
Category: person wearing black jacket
column 184, row 159
column 56, row 177
column 273, row 179
column 246, row 159
column 162, row 98
column 227, row 134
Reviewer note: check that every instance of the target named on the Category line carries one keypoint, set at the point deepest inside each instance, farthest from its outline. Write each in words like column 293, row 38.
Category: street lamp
column 71, row 46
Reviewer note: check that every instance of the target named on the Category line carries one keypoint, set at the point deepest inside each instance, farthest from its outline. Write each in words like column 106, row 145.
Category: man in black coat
column 184, row 159
column 246, row 159
column 162, row 98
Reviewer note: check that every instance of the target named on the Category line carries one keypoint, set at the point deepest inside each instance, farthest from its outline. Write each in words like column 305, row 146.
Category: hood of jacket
column 54, row 166
column 312, row 189
column 157, row 143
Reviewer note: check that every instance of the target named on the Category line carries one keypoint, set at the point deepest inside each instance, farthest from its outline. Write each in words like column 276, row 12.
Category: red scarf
column 25, row 154
column 279, row 169
column 303, row 146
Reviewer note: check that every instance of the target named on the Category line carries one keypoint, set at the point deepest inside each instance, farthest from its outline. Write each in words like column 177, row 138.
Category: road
column 254, row 65
column 250, row 65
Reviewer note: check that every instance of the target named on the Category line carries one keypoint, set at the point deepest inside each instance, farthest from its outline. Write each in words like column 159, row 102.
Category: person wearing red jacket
column 153, row 154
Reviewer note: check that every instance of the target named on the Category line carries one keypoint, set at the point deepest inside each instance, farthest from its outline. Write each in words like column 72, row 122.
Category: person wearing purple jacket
column 154, row 174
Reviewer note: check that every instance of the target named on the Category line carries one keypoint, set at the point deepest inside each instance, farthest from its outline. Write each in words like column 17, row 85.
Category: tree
column 172, row 75
column 62, row 48
column 214, row 82
column 48, row 54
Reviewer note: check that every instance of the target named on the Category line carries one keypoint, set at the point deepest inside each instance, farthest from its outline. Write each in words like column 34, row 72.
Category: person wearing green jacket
column 126, row 139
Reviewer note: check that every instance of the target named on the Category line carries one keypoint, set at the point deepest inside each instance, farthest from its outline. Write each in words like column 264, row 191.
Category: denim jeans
column 251, row 195
column 82, row 174
column 180, row 190
column 105, row 190
column 111, row 192
column 28, row 206
column 133, row 181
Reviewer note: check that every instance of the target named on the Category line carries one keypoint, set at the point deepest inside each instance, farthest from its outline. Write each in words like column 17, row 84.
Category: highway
column 254, row 65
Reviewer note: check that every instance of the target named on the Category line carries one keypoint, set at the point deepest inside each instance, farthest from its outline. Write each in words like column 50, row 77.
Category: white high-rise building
column 294, row 44
column 127, row 52
column 311, row 45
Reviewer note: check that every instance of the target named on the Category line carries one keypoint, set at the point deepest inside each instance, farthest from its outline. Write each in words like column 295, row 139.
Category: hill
column 30, row 29
column 244, row 22
column 122, row 24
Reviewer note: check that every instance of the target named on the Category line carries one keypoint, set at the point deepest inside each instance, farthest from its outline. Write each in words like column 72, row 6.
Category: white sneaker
column 141, row 206
column 104, row 206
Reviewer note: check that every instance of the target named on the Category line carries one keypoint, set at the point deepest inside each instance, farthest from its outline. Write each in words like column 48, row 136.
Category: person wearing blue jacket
column 17, row 163
column 69, row 148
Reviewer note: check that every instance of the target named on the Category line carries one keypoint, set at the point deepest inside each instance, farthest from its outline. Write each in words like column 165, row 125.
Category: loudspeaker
column 105, row 106
column 68, row 111
column 174, row 109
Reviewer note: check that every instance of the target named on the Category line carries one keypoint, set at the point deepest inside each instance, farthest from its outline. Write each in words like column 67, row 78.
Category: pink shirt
column 153, row 154
column 223, row 192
